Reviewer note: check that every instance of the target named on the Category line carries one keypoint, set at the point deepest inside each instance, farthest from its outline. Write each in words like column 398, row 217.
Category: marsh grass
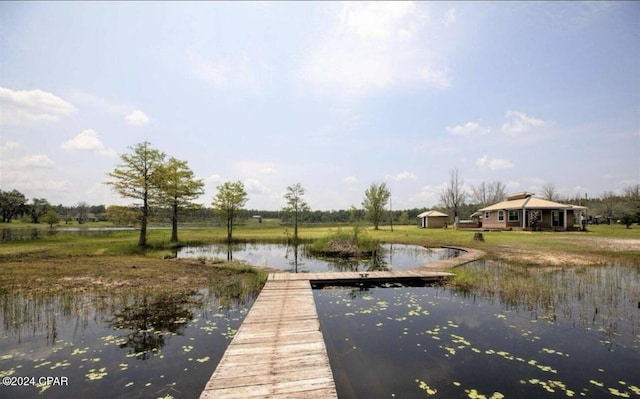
column 346, row 242
column 593, row 297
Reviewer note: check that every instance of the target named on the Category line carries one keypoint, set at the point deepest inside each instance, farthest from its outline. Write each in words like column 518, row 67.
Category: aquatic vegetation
column 111, row 339
column 346, row 243
column 454, row 343
column 425, row 387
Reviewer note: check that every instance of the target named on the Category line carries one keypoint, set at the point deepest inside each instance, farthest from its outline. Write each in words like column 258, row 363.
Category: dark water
column 299, row 260
column 580, row 337
column 117, row 345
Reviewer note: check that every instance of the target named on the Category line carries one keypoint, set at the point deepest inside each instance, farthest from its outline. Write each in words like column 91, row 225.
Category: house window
column 557, row 219
column 535, row 216
column 486, row 215
column 514, row 216
column 500, row 216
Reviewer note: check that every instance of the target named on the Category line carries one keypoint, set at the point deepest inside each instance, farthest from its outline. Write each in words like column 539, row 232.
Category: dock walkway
column 279, row 351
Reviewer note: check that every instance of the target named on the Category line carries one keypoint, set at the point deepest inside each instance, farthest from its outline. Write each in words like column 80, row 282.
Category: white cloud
column 137, row 118
column 427, row 196
column 224, row 72
column 374, row 46
column 404, row 175
column 26, row 106
column 468, row 129
column 255, row 187
column 450, row 17
column 378, row 19
column 350, row 180
column 10, row 145
column 215, row 178
column 514, row 184
column 87, row 140
column 519, row 122
column 493, row 163
column 36, row 161
column 251, row 168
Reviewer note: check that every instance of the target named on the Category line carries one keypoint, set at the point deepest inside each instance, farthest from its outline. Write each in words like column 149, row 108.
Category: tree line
column 165, row 189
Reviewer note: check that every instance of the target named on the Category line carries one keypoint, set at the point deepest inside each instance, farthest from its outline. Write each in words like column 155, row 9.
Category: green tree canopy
column 51, row 218
column 296, row 206
column 139, row 177
column 376, row 198
column 37, row 208
column 178, row 189
column 229, row 200
column 12, row 204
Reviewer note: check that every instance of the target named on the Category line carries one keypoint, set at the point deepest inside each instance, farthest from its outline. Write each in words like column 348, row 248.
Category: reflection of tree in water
column 372, row 263
column 296, row 263
column 151, row 317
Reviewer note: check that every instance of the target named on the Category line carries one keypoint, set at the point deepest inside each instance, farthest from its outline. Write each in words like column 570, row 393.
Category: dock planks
column 279, row 351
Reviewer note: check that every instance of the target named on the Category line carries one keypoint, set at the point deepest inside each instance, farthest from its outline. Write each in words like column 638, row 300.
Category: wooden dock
column 279, row 351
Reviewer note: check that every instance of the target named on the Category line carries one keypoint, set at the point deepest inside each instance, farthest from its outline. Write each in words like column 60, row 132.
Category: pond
column 523, row 333
column 297, row 259
column 29, row 233
column 133, row 344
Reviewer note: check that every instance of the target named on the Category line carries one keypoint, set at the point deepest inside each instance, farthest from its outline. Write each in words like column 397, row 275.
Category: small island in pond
column 345, row 244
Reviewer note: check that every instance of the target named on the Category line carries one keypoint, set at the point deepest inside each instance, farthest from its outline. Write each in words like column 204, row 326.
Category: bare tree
column 453, row 195
column 489, row 193
column 632, row 202
column 609, row 200
column 549, row 192
column 82, row 214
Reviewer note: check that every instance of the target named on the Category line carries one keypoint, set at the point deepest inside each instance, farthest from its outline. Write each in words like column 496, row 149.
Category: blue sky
column 333, row 95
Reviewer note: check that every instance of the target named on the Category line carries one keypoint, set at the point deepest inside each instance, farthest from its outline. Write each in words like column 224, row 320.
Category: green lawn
column 599, row 241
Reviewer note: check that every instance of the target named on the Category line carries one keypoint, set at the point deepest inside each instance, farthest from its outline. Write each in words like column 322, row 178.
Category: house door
column 557, row 219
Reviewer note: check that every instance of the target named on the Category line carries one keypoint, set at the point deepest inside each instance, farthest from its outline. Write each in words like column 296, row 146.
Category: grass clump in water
column 350, row 243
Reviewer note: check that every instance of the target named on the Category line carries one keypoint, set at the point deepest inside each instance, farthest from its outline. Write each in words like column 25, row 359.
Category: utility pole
column 391, row 213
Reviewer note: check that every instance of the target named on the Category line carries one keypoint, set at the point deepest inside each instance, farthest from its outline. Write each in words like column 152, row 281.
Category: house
column 526, row 212
column 432, row 219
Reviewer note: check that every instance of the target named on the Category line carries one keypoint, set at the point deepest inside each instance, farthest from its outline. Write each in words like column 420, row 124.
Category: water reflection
column 519, row 332
column 298, row 259
column 605, row 295
column 15, row 234
column 150, row 317
column 97, row 338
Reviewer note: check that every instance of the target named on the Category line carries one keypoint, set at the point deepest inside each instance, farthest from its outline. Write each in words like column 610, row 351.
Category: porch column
column 565, row 218
column 524, row 218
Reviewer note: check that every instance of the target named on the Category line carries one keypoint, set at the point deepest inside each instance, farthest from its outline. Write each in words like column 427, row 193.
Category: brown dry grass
column 130, row 271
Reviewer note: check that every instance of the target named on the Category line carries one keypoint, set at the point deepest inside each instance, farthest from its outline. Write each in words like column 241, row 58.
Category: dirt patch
column 614, row 244
column 551, row 258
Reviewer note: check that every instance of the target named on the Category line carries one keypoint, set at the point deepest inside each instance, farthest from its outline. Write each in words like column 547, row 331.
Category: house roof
column 529, row 202
column 432, row 213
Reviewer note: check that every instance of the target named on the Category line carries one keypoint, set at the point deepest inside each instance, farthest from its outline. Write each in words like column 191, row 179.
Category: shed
column 432, row 219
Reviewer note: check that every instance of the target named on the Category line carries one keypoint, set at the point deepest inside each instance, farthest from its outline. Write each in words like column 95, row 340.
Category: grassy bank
column 74, row 260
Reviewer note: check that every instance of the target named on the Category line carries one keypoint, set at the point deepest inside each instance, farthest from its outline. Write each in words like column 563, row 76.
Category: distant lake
column 299, row 260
